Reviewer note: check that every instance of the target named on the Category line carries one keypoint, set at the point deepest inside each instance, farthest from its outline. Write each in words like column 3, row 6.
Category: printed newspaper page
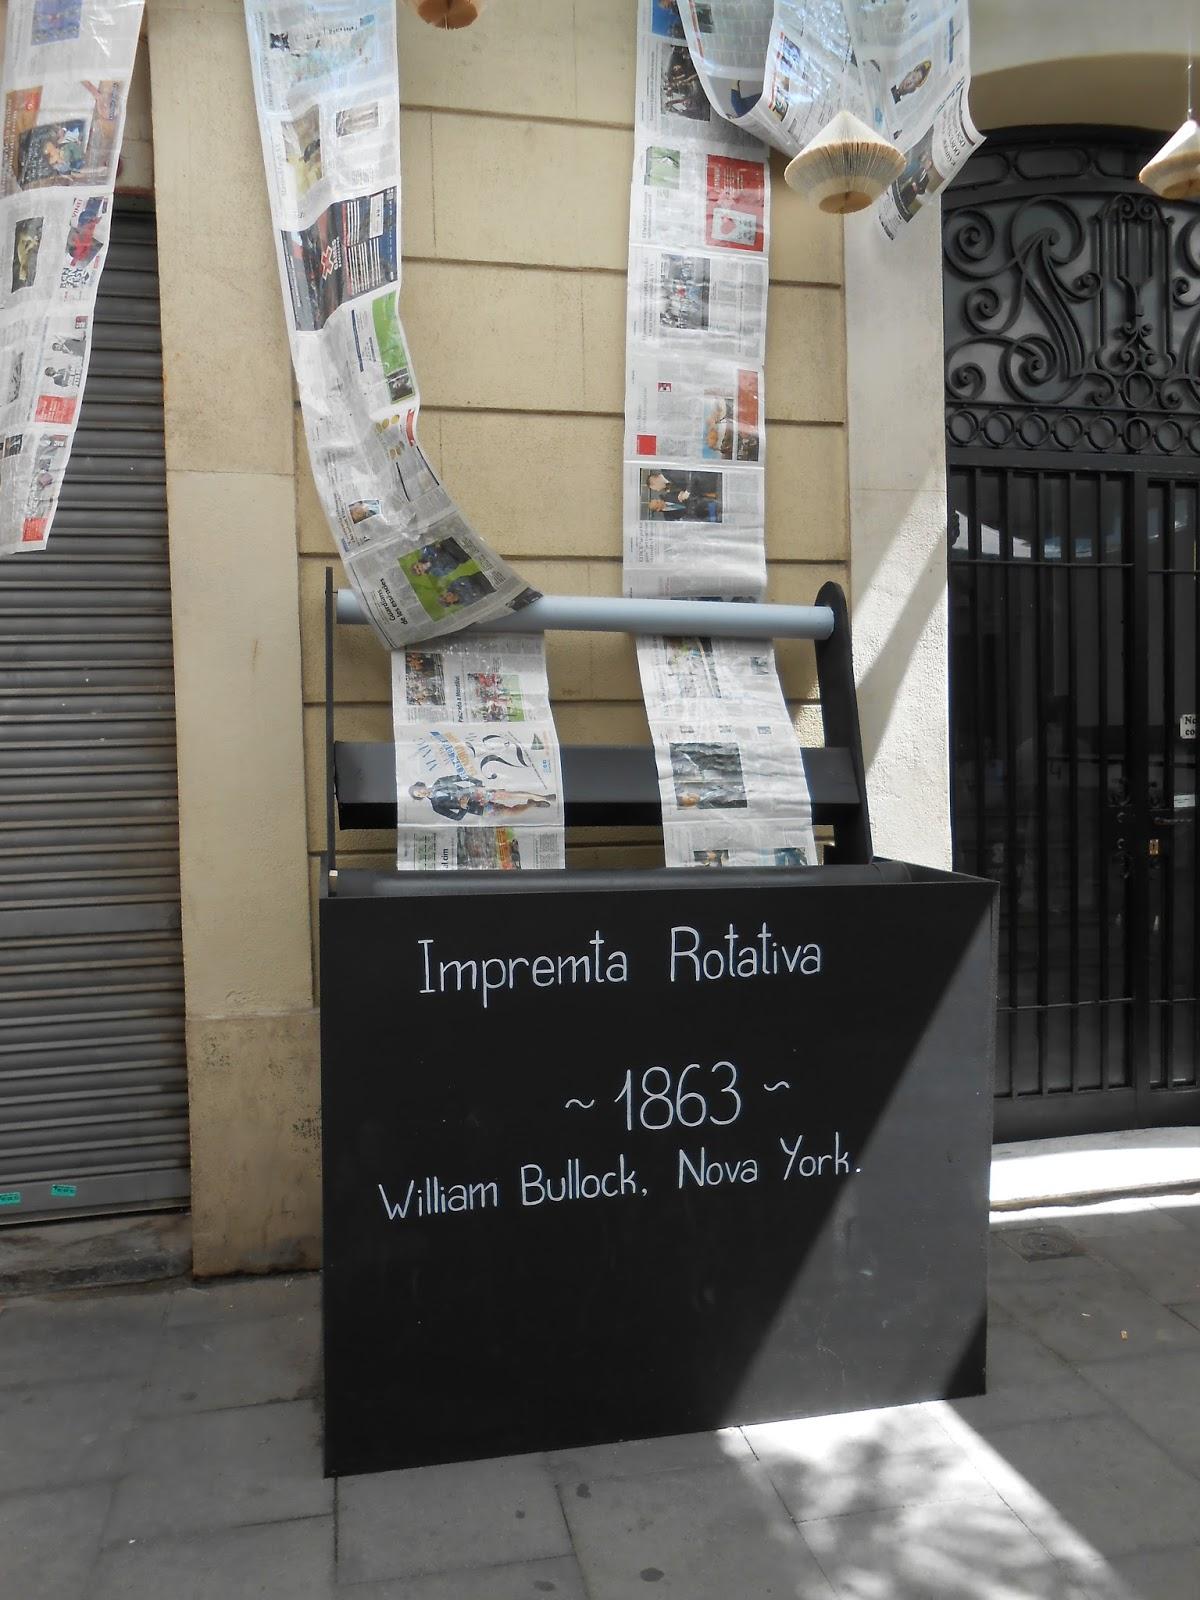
column 730, row 772
column 792, row 68
column 67, row 69
column 916, row 74
column 734, row 793
column 326, row 86
column 478, row 772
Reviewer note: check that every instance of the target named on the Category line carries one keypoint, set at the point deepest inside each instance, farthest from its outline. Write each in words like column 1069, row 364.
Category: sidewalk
column 169, row 1450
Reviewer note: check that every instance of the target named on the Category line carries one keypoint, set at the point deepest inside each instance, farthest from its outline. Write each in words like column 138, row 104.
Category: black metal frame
column 616, row 785
column 1073, row 319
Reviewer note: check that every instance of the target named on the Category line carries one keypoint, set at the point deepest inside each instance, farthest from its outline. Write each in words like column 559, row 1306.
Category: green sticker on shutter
column 63, row 1191
column 10, row 1197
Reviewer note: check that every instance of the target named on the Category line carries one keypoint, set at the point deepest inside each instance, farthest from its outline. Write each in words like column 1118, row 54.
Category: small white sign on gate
column 1187, row 725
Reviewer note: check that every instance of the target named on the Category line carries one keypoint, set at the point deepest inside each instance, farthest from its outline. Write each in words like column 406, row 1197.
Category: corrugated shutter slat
column 93, row 1077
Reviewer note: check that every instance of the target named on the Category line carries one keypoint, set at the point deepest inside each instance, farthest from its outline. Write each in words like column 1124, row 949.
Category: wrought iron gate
column 1072, row 320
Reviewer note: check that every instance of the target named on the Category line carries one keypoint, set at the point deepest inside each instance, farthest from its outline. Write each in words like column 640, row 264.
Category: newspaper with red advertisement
column 731, row 776
column 67, row 70
column 781, row 69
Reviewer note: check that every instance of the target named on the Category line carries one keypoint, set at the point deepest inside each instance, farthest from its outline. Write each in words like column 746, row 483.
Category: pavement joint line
column 189, row 1535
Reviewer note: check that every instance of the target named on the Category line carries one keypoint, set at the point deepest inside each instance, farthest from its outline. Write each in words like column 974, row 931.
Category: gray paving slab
column 1098, row 1478
column 1086, row 1310
column 64, row 1433
column 1004, row 1264
column 939, row 1552
column 1163, row 1259
column 558, row 1579
column 236, row 1299
column 1161, row 1394
column 637, row 1458
column 220, row 1469
column 95, row 1252
column 1188, row 1313
column 83, row 1335
column 280, row 1561
column 1026, row 1383
column 710, row 1534
column 1161, row 1574
column 49, row 1542
column 836, row 1466
column 435, row 1519
column 217, row 1366
column 1184, row 1208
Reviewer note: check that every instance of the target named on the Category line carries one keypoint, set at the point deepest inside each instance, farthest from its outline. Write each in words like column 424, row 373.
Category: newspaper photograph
column 480, row 850
column 709, row 676
column 900, row 65
column 455, row 778
column 752, row 771
column 728, row 38
column 705, row 199
column 478, row 771
column 672, row 103
column 731, row 776
column 694, row 411
column 326, row 89
column 696, row 844
column 490, row 678
column 65, row 89
column 914, row 59
column 694, row 533
column 787, row 90
column 931, row 161
column 64, row 131
column 687, row 300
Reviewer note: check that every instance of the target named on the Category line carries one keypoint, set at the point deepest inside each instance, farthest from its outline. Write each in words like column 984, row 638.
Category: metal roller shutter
column 93, row 1079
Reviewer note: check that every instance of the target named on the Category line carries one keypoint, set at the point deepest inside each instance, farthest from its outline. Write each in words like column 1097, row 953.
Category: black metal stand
column 615, row 1154
column 616, row 786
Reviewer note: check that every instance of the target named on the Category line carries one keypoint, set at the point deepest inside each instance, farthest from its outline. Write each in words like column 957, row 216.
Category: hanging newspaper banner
column 327, row 91
column 67, row 69
column 478, row 776
column 781, row 69
column 778, row 69
column 477, row 761
column 914, row 56
column 731, row 777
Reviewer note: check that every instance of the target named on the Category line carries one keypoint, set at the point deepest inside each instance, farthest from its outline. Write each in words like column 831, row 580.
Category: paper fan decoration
column 1174, row 173
column 447, row 13
column 844, row 167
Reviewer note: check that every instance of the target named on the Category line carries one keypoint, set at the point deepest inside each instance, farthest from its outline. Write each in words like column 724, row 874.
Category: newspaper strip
column 67, row 69
column 478, row 774
column 731, row 776
column 915, row 60
column 327, row 91
column 780, row 69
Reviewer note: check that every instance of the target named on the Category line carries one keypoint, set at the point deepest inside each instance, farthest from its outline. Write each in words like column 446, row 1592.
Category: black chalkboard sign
column 609, row 1156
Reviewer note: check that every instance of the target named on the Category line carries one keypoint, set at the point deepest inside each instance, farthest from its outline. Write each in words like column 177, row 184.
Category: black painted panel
column 688, row 1297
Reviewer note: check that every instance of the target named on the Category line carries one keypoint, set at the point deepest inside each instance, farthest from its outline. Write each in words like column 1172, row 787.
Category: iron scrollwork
column 1072, row 307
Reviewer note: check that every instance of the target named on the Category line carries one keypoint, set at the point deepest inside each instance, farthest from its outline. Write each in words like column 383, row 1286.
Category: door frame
column 1102, row 162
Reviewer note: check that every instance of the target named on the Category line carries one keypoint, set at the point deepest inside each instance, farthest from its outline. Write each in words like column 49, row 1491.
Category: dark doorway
column 1072, row 320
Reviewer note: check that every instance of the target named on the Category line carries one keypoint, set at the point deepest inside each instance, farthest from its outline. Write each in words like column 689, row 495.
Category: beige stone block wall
column 251, row 1026
column 517, row 149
